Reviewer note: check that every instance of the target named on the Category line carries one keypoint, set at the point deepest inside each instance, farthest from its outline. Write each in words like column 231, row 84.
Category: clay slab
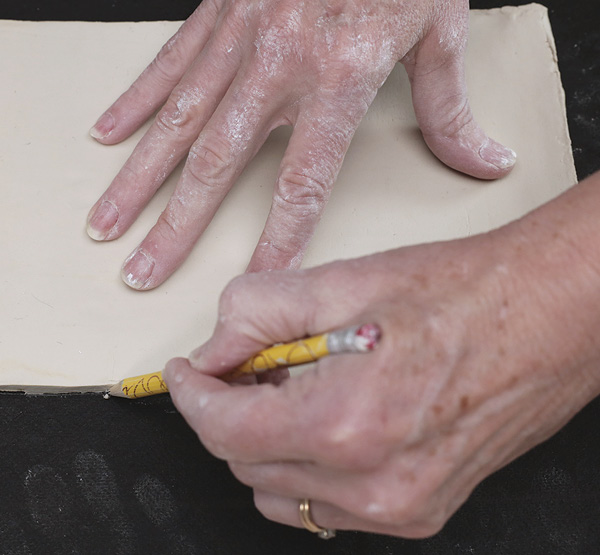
column 68, row 322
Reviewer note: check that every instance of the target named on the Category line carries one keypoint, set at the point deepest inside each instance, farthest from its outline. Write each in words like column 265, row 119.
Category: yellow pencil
column 357, row 339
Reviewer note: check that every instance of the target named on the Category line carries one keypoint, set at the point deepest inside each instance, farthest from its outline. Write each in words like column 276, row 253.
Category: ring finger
column 286, row 510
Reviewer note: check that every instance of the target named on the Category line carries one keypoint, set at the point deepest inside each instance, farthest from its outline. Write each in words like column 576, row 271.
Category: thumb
column 444, row 115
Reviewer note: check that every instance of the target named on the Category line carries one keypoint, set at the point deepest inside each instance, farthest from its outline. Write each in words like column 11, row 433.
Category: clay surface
column 69, row 323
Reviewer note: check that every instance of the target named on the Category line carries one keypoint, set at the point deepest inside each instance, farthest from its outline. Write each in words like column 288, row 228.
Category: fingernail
column 103, row 220
column 137, row 269
column 103, row 127
column 497, row 155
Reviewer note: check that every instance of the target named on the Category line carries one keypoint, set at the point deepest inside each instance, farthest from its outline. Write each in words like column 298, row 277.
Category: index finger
column 222, row 415
column 262, row 423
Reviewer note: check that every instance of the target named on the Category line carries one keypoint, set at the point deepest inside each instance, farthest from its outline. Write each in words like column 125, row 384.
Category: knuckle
column 208, row 161
column 164, row 66
column 129, row 174
column 244, row 11
column 353, row 445
column 232, row 294
column 241, row 472
column 397, row 512
column 167, row 226
column 432, row 526
column 208, row 438
column 217, row 439
column 424, row 528
column 356, row 64
column 169, row 120
column 279, row 38
column 281, row 25
column 264, row 506
column 182, row 107
column 300, row 190
column 458, row 117
column 389, row 507
column 236, row 19
column 400, row 497
column 180, row 110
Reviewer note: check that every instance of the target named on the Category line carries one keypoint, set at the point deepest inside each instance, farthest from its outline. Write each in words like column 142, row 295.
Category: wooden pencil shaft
column 348, row 340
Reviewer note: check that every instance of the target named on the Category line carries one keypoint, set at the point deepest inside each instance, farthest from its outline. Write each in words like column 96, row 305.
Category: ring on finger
column 310, row 524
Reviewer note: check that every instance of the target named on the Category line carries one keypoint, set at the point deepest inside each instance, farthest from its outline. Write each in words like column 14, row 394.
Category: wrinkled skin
column 238, row 69
column 490, row 344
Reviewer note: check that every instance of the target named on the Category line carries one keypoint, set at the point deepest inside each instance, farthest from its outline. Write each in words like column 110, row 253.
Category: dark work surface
column 79, row 474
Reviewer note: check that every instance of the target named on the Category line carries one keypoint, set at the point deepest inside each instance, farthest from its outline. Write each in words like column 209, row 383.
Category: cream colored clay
column 91, row 329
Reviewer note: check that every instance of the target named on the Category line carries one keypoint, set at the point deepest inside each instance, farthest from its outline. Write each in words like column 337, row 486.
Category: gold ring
column 309, row 523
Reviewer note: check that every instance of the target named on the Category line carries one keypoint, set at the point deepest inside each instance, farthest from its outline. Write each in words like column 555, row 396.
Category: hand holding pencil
column 394, row 440
column 356, row 339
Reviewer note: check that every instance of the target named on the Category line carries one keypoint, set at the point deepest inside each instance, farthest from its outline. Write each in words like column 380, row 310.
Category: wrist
column 553, row 262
